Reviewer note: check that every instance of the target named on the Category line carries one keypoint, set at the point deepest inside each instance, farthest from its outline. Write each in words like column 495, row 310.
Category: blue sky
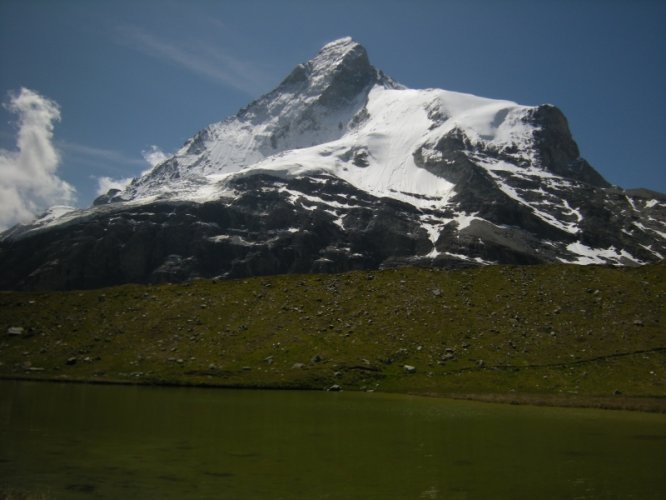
column 130, row 75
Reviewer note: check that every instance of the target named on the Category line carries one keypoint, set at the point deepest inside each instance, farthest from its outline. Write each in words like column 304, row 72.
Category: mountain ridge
column 342, row 168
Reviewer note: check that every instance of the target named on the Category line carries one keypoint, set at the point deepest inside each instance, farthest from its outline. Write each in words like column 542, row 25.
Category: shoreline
column 644, row 404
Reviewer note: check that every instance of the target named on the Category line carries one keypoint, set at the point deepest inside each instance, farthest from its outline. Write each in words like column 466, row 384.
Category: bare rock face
column 557, row 149
column 340, row 168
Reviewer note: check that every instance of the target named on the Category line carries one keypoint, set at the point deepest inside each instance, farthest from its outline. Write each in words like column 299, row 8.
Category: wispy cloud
column 200, row 57
column 108, row 158
column 29, row 183
column 121, row 167
column 151, row 157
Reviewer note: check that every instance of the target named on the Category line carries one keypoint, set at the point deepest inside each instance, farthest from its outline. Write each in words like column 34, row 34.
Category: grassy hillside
column 551, row 333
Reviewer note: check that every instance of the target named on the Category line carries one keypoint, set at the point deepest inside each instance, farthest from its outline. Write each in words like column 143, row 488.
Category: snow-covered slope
column 368, row 137
column 340, row 167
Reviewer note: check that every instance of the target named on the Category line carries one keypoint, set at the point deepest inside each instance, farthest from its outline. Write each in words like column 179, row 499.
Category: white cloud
column 154, row 156
column 29, row 183
column 106, row 183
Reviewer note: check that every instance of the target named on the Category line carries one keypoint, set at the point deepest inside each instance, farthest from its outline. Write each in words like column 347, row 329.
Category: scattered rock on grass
column 409, row 368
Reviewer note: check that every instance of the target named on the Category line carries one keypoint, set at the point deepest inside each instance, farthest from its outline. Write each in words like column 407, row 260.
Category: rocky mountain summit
column 342, row 168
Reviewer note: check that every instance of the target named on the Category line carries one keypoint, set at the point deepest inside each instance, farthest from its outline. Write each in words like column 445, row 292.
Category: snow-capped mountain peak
column 317, row 103
column 332, row 114
column 339, row 167
column 338, row 60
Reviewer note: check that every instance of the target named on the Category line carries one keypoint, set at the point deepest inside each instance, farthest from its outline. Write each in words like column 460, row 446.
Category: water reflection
column 81, row 441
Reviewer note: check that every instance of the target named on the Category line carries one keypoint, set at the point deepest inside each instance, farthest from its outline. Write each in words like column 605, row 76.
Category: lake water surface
column 110, row 442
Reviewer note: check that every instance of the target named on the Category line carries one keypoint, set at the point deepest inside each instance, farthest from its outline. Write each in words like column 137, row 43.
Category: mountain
column 342, row 168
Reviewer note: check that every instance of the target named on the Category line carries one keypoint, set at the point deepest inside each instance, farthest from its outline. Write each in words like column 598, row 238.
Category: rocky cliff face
column 341, row 168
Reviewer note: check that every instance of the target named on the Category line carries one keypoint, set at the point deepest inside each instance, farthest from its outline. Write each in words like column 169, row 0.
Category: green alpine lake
column 61, row 440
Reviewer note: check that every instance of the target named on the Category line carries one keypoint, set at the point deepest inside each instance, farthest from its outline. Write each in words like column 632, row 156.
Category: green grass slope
column 556, row 333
